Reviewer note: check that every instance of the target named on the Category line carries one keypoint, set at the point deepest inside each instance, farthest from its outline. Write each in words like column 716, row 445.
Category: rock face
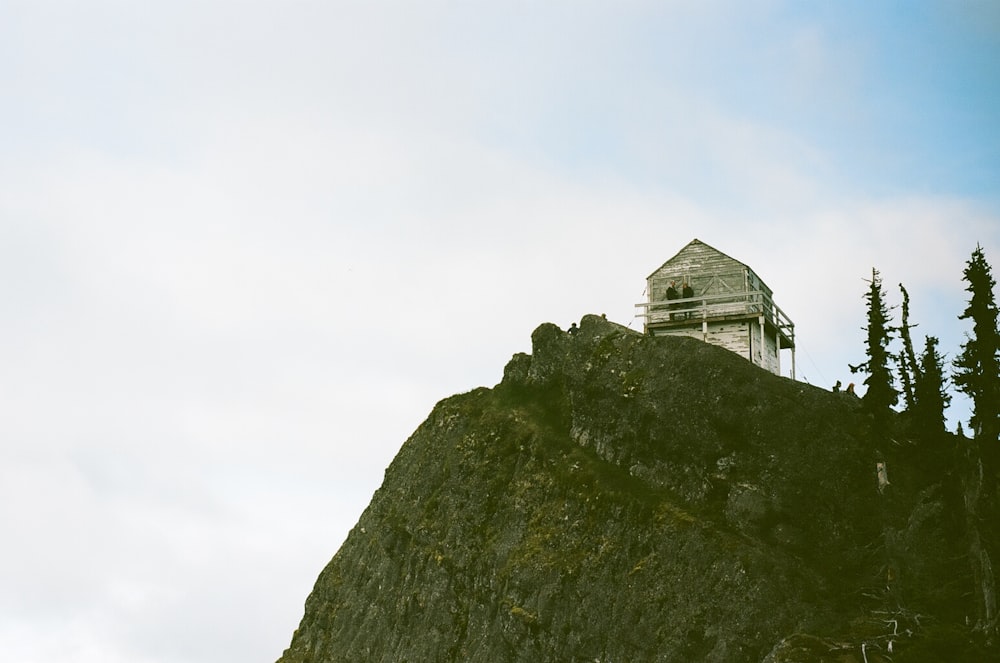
column 627, row 498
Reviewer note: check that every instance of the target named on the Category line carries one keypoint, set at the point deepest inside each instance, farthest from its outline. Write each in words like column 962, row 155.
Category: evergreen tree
column 978, row 366
column 906, row 382
column 977, row 373
column 930, row 392
column 909, row 369
column 880, row 395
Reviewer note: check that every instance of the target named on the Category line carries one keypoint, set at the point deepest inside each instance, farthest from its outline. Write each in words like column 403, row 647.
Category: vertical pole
column 793, row 351
column 746, row 292
column 777, row 347
column 704, row 321
column 763, row 345
column 649, row 309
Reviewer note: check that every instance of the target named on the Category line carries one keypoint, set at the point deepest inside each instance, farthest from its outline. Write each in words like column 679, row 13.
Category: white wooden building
column 730, row 306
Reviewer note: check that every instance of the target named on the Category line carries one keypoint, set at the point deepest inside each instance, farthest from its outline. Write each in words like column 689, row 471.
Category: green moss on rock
column 627, row 498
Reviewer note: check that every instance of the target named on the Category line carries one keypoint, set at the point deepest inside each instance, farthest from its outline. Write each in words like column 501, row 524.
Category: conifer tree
column 978, row 366
column 909, row 369
column 977, row 373
column 880, row 395
column 907, row 383
column 930, row 392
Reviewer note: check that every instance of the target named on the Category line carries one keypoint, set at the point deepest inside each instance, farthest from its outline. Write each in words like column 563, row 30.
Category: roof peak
column 688, row 245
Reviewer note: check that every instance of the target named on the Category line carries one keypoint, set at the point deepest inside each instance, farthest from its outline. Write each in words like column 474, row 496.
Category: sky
column 246, row 246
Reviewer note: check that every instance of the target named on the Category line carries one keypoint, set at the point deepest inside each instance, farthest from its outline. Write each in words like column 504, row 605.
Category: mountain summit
column 623, row 497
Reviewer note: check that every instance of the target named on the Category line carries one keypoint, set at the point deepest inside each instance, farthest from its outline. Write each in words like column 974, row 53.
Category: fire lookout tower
column 727, row 305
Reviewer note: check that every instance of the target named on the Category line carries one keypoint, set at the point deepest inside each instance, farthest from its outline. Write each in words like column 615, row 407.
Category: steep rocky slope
column 627, row 498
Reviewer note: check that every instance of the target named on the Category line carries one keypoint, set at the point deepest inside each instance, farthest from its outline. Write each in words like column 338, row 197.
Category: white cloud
column 247, row 246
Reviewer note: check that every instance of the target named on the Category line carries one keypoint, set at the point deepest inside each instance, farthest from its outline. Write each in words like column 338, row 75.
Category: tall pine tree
column 909, row 369
column 977, row 373
column 880, row 395
column 930, row 394
column 977, row 368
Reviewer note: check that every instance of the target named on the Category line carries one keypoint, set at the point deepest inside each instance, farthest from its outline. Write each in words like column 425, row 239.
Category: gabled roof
column 692, row 243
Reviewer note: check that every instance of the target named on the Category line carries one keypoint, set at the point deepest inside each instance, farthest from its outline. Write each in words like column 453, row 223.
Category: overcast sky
column 246, row 245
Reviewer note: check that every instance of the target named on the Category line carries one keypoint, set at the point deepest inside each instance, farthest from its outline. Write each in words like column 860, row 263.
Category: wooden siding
column 693, row 332
column 756, row 345
column 734, row 336
column 765, row 348
column 708, row 271
column 770, row 361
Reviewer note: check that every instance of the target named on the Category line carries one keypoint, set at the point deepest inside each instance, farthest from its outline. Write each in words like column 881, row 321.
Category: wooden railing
column 706, row 307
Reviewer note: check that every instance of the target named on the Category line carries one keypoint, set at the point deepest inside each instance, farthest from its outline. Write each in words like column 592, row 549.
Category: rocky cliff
column 619, row 497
